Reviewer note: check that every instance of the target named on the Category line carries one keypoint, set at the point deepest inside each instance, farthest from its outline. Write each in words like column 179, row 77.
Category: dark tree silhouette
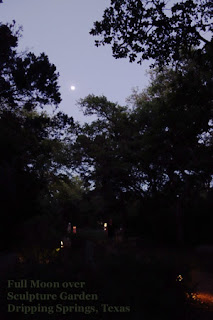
column 142, row 30
column 30, row 140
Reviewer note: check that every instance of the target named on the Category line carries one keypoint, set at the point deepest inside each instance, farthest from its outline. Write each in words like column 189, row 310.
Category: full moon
column 72, row 88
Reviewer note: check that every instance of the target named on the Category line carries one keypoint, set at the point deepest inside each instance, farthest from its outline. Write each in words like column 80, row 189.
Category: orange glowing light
column 205, row 297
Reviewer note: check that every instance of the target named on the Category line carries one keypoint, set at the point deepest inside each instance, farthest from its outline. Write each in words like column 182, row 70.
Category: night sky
column 60, row 28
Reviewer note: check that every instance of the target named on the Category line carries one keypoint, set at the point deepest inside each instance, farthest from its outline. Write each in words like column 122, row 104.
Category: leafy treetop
column 26, row 80
column 157, row 29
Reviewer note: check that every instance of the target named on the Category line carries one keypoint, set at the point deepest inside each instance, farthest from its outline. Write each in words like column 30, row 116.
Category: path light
column 179, row 278
column 192, row 295
column 62, row 244
column 105, row 226
column 74, row 229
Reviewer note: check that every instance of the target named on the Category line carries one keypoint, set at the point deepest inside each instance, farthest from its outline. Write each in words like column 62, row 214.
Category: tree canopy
column 160, row 30
column 159, row 147
column 26, row 81
column 148, row 162
column 31, row 141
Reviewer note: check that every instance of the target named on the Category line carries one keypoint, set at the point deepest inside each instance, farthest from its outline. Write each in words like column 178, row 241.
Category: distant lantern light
column 74, row 229
column 179, row 278
column 105, row 226
column 62, row 244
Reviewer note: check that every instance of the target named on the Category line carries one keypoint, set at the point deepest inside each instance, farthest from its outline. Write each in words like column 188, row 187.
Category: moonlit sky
column 60, row 28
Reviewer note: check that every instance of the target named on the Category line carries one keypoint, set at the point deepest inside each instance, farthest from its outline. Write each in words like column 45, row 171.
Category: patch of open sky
column 60, row 28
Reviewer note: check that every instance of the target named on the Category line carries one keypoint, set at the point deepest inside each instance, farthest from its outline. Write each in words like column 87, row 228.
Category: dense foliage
column 148, row 164
column 155, row 156
column 161, row 30
column 32, row 150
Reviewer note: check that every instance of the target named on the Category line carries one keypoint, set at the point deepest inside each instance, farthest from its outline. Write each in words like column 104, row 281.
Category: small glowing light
column 57, row 249
column 72, row 88
column 105, row 226
column 62, row 244
column 74, row 229
column 193, row 296
column 179, row 278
